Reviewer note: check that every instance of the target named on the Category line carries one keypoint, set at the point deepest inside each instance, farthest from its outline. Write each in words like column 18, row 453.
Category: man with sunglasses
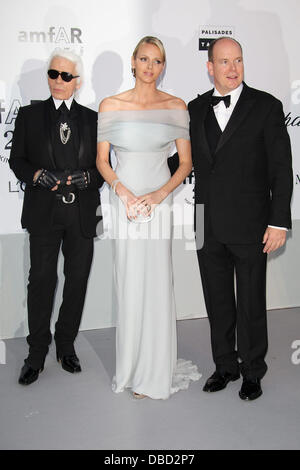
column 54, row 153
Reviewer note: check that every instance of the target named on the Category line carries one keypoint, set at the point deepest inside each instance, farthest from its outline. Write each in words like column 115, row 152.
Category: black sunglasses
column 65, row 76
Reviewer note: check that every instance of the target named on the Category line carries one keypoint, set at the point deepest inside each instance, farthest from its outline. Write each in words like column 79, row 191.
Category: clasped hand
column 139, row 205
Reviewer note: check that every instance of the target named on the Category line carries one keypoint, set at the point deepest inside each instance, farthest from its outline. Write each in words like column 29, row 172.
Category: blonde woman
column 142, row 124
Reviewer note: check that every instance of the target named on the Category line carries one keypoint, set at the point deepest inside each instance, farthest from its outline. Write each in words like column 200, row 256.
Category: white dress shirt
column 221, row 112
column 68, row 102
column 223, row 115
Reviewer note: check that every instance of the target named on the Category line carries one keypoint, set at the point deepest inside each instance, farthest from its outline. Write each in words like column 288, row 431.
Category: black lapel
column 47, row 120
column 240, row 112
column 81, row 130
column 203, row 105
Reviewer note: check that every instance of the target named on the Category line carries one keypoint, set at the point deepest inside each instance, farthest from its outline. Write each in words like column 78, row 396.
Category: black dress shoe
column 250, row 390
column 69, row 363
column 29, row 375
column 219, row 381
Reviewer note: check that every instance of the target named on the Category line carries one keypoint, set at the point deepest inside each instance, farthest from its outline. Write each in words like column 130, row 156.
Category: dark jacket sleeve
column 95, row 177
column 278, row 149
column 19, row 162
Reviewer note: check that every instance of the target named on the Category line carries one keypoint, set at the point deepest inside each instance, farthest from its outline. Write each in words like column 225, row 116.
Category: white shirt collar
column 235, row 94
column 68, row 102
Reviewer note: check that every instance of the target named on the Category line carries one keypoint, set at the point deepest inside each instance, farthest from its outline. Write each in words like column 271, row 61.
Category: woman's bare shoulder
column 114, row 103
column 172, row 102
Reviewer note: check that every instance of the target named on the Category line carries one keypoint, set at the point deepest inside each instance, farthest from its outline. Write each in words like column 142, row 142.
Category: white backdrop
column 105, row 34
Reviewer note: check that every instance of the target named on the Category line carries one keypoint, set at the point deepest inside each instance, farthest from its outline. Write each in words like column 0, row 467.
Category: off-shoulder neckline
column 141, row 110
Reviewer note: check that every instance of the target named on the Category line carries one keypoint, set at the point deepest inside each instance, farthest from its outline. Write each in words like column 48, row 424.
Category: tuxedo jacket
column 32, row 149
column 247, row 184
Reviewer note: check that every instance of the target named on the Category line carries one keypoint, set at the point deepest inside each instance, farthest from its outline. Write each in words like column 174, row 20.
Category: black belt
column 66, row 198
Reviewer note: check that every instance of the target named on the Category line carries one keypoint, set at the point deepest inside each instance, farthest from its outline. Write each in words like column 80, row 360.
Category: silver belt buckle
column 67, row 201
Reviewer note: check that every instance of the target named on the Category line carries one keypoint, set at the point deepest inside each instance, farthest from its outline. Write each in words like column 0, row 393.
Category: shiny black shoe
column 251, row 389
column 29, row 375
column 69, row 363
column 219, row 381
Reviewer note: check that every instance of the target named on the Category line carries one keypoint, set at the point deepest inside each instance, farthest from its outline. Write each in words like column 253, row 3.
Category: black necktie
column 216, row 100
column 63, row 109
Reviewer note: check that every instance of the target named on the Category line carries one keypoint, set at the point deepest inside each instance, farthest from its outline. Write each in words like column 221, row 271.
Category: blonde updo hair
column 149, row 40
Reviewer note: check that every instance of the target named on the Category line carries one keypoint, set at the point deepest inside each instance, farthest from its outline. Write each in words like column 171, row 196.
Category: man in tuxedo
column 243, row 176
column 54, row 153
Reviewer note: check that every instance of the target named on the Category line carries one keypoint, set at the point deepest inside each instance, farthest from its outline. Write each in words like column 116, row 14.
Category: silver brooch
column 64, row 128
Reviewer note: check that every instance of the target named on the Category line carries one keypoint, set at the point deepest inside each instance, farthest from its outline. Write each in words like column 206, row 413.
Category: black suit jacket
column 247, row 185
column 32, row 150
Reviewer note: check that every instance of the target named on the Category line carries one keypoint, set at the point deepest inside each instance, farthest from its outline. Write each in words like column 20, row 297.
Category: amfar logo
column 297, row 178
column 293, row 120
column 208, row 33
column 54, row 36
column 190, row 182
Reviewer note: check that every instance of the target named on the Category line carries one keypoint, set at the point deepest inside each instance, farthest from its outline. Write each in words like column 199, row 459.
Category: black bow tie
column 216, row 100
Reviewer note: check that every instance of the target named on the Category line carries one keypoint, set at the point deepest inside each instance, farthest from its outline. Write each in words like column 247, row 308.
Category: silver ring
column 148, row 207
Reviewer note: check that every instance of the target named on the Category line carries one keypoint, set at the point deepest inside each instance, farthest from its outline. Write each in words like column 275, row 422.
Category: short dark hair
column 213, row 43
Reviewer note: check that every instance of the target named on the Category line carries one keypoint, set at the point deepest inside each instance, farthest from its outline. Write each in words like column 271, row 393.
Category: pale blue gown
column 146, row 342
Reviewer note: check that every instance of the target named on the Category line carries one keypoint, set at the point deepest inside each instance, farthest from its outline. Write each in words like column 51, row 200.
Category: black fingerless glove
column 81, row 179
column 48, row 179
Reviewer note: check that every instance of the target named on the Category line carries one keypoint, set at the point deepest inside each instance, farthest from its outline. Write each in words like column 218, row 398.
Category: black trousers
column 44, row 250
column 237, row 318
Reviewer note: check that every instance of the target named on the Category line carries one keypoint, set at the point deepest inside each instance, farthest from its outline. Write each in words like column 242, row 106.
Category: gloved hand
column 48, row 179
column 81, row 179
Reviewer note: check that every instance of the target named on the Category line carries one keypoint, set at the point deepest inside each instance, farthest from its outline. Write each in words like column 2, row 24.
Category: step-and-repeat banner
column 105, row 33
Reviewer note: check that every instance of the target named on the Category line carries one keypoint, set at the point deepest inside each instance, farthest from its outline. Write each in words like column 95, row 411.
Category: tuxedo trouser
column 236, row 316
column 44, row 251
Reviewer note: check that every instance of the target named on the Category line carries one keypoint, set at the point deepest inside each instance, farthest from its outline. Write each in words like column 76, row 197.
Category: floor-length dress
column 146, row 342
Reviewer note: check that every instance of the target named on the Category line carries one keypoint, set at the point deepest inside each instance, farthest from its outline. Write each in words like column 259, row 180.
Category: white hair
column 72, row 57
